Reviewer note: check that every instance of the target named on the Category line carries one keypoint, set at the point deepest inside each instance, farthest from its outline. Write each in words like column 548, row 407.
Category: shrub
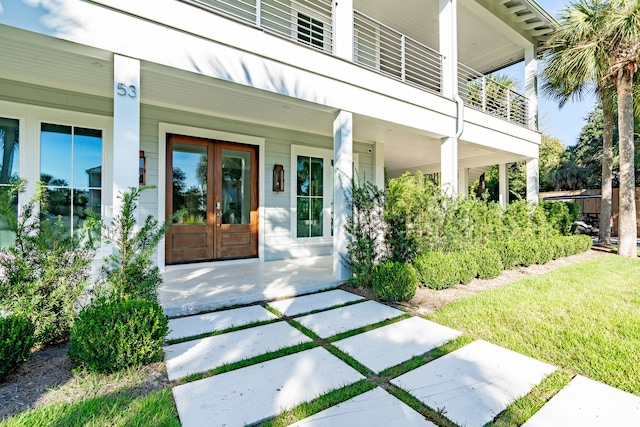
column 46, row 270
column 394, row 281
column 436, row 270
column 577, row 244
column 489, row 262
column 467, row 265
column 16, row 340
column 110, row 335
column 130, row 272
column 366, row 228
column 544, row 250
column 562, row 215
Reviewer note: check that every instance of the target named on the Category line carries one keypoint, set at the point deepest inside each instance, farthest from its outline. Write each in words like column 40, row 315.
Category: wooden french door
column 212, row 200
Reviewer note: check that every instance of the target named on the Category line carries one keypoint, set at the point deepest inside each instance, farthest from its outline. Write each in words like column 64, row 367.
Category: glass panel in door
column 236, row 187
column 189, row 175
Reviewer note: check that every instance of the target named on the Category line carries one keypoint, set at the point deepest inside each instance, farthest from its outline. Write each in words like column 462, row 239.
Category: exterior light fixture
column 278, row 178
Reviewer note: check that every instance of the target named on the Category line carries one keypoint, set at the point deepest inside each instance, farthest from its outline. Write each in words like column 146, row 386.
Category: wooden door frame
column 214, row 229
column 164, row 129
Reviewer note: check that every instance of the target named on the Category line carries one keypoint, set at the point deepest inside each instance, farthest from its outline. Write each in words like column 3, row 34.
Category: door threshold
column 210, row 264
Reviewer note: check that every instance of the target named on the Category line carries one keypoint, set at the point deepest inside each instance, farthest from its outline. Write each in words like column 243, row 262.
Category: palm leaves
column 596, row 48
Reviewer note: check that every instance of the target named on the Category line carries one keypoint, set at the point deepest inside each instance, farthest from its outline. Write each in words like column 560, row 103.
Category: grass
column 584, row 318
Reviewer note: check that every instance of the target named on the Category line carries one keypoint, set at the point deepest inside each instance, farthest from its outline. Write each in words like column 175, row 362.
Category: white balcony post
column 342, row 174
column 379, row 164
column 449, row 165
column 126, row 126
column 533, row 185
column 463, row 181
column 448, row 28
column 531, row 85
column 343, row 29
column 503, row 185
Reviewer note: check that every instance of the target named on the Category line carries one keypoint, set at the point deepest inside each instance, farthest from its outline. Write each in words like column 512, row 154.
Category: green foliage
column 110, row 335
column 130, row 270
column 366, row 227
column 489, row 262
column 394, row 281
column 436, row 270
column 16, row 340
column 467, row 265
column 43, row 274
column 562, row 215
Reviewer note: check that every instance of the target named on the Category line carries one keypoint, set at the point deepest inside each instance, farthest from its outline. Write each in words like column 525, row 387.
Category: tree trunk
column 604, row 236
column 627, row 227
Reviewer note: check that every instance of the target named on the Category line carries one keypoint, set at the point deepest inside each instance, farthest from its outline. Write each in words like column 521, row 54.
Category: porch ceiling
column 71, row 69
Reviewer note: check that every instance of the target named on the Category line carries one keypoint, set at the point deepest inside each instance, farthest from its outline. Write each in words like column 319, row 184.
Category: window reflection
column 189, row 184
column 71, row 170
column 310, row 196
column 236, row 187
column 9, row 143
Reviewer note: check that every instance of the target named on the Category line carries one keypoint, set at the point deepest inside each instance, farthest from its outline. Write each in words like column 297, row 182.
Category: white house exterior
column 215, row 102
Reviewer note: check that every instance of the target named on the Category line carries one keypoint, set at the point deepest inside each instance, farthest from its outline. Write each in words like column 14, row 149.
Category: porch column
column 342, row 174
column 449, row 165
column 343, row 29
column 503, row 185
column 448, row 32
column 463, row 181
column 531, row 84
column 533, row 185
column 379, row 164
column 126, row 126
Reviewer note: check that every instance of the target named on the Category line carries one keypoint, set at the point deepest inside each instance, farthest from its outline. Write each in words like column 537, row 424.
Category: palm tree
column 596, row 48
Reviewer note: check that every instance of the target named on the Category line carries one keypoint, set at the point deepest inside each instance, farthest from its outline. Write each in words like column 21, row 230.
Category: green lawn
column 584, row 318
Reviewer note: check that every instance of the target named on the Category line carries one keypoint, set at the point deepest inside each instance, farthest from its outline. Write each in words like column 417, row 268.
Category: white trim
column 31, row 117
column 327, row 183
column 170, row 128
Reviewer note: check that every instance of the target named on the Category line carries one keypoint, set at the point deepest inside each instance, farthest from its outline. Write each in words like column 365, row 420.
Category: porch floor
column 194, row 288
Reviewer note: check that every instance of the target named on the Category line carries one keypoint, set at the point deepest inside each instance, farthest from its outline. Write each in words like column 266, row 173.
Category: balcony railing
column 308, row 21
column 394, row 54
column 488, row 95
column 376, row 46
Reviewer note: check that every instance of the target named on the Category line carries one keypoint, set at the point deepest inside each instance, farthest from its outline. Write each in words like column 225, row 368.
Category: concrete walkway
column 470, row 385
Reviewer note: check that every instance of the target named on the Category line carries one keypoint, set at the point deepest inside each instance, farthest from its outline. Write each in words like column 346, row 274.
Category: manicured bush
column 16, row 340
column 394, row 281
column 489, row 262
column 467, row 265
column 436, row 270
column 544, row 250
column 562, row 215
column 110, row 335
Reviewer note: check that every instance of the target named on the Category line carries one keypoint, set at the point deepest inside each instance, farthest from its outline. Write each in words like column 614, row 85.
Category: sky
column 566, row 123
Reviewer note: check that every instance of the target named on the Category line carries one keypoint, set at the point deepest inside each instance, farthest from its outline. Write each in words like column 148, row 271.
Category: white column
column 533, row 185
column 531, row 84
column 126, row 126
column 343, row 29
column 463, row 181
column 449, row 165
column 342, row 167
column 379, row 164
column 448, row 32
column 503, row 185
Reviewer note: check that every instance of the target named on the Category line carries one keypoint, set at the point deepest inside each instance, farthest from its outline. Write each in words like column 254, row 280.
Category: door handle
column 218, row 214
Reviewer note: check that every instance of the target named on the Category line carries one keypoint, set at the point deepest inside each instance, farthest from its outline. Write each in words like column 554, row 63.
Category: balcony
column 377, row 46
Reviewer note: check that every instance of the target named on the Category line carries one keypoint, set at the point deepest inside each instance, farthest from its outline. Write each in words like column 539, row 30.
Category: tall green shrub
column 394, row 281
column 562, row 215
column 366, row 228
column 436, row 270
column 130, row 271
column 43, row 274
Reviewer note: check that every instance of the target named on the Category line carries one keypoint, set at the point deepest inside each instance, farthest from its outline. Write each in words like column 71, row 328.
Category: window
column 71, row 170
column 310, row 31
column 310, row 196
column 9, row 140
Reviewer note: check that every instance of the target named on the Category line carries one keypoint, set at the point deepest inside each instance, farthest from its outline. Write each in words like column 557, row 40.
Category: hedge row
column 396, row 281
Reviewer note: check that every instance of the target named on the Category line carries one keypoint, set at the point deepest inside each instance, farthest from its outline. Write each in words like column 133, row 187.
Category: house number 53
column 123, row 90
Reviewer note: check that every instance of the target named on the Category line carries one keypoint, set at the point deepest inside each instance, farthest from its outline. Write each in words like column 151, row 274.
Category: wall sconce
column 278, row 178
column 142, row 171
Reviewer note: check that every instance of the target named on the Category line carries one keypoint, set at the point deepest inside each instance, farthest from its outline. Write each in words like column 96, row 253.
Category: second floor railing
column 394, row 54
column 492, row 97
column 308, row 21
